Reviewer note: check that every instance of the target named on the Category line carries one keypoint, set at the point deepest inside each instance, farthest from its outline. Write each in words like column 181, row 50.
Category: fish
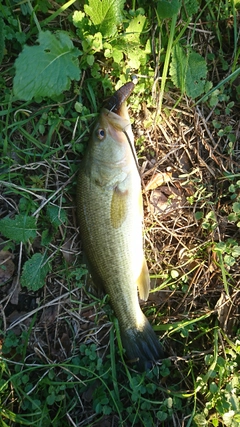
column 110, row 217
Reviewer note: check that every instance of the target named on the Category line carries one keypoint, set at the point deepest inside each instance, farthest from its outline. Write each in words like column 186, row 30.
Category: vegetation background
column 61, row 362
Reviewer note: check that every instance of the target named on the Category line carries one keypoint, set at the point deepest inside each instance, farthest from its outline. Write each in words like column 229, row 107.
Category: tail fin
column 142, row 346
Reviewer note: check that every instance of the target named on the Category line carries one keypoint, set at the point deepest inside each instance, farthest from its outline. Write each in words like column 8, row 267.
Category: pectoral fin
column 118, row 207
column 143, row 282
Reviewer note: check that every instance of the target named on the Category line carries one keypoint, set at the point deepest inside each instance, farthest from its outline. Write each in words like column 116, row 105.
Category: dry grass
column 192, row 160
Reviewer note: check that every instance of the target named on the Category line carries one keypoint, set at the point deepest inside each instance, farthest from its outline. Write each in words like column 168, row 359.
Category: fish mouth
column 116, row 124
column 115, row 116
column 117, row 102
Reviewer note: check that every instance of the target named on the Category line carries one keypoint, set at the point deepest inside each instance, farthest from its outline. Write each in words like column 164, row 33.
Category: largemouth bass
column 110, row 214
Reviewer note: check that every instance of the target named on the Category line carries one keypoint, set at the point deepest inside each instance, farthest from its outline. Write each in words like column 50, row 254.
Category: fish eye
column 101, row 134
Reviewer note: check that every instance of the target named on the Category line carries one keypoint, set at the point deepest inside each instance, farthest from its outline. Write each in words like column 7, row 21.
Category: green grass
column 62, row 361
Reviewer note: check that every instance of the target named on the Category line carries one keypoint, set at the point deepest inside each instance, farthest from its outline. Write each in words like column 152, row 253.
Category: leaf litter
column 7, row 266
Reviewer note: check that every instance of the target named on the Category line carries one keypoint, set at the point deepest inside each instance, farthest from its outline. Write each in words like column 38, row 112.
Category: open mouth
column 115, row 102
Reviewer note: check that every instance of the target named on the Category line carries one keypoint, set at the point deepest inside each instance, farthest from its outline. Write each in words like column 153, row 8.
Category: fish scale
column 110, row 214
column 112, row 264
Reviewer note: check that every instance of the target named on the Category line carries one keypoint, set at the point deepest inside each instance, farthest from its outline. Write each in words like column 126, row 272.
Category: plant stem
column 55, row 14
column 34, row 16
column 167, row 60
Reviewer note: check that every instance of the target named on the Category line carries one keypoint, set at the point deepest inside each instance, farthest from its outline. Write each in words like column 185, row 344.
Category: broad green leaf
column 134, row 59
column 236, row 207
column 47, row 236
column 117, row 55
column 19, row 229
column 56, row 215
column 130, row 45
column 199, row 215
column 232, row 217
column 135, row 28
column 190, row 8
column 78, row 17
column 133, row 51
column 196, row 75
column 34, row 272
column 236, row 251
column 106, row 15
column 178, row 67
column 229, row 260
column 188, row 71
column 167, row 8
column 51, row 398
column 82, row 23
column 46, row 70
column 161, row 415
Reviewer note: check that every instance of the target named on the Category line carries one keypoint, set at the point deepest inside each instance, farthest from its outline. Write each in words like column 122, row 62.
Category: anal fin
column 143, row 282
